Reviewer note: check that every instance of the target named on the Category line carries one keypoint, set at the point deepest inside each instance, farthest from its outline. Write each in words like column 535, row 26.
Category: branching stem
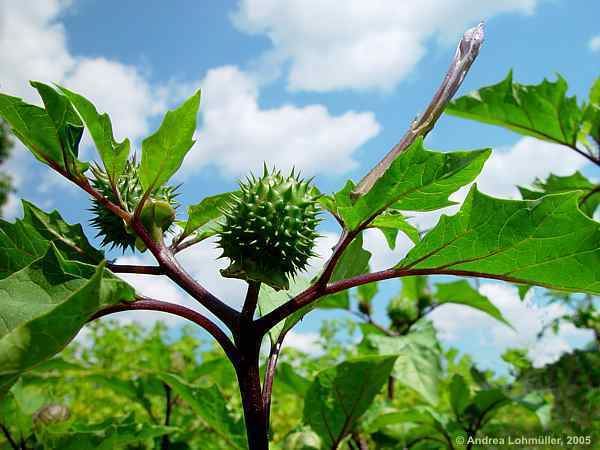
column 140, row 270
column 148, row 304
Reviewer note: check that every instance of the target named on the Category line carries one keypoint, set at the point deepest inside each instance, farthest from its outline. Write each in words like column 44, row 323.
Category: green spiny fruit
column 157, row 215
column 268, row 232
column 402, row 311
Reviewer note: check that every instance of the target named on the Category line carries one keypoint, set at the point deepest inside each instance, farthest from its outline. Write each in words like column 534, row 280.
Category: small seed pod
column 157, row 215
column 302, row 440
column 401, row 311
column 269, row 229
column 51, row 414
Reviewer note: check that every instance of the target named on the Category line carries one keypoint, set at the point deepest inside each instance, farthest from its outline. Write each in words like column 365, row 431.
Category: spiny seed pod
column 157, row 215
column 402, row 310
column 268, row 232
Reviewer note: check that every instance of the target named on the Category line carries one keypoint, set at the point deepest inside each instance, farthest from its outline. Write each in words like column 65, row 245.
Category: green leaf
column 418, row 360
column 391, row 222
column 27, row 239
column 459, row 394
column 418, row 180
column 269, row 299
column 591, row 118
column 67, row 123
column 542, row 111
column 114, row 154
column 554, row 184
column 204, row 212
column 211, row 406
column 43, row 307
column 108, row 435
column 462, row 293
column 487, row 401
column 163, row 151
column 547, row 242
column 290, row 380
column 34, row 127
column 340, row 395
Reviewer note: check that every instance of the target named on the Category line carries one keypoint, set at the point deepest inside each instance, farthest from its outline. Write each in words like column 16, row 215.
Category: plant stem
column 248, row 376
column 148, row 304
column 360, row 441
column 165, row 442
column 175, row 272
column 9, row 437
column 466, row 52
column 251, row 301
column 141, row 270
column 315, row 292
column 267, row 391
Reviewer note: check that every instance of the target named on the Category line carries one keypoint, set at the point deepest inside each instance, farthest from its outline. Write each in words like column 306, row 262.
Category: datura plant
column 53, row 281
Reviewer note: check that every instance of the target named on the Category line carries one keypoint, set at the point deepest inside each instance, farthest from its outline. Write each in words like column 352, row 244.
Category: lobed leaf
column 163, row 151
column 555, row 184
column 114, row 154
column 543, row 111
column 211, row 406
column 43, row 306
column 418, row 360
column 27, row 239
column 547, row 242
column 418, row 180
column 67, row 123
column 34, row 127
column 340, row 395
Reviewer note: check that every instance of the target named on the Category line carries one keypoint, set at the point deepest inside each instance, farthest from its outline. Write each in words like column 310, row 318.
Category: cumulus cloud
column 594, row 43
column 238, row 135
column 33, row 45
column 528, row 318
column 306, row 342
column 523, row 162
column 362, row 45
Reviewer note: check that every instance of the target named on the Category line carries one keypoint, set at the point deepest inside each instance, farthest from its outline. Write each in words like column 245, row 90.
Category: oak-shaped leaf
column 543, row 111
column 547, row 242
column 45, row 304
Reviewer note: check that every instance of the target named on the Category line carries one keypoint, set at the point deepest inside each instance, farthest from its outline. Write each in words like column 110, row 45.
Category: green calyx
column 157, row 215
column 269, row 229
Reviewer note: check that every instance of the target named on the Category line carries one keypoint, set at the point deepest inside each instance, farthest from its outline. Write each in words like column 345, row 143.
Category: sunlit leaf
column 543, row 111
column 43, row 307
column 163, row 151
column 547, row 242
column 114, row 154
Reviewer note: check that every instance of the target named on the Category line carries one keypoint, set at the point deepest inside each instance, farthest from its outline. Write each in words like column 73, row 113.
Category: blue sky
column 313, row 84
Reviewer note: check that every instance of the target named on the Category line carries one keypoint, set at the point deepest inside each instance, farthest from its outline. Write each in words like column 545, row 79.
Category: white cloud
column 453, row 322
column 305, row 342
column 237, row 135
column 523, row 162
column 33, row 46
column 594, row 44
column 362, row 45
